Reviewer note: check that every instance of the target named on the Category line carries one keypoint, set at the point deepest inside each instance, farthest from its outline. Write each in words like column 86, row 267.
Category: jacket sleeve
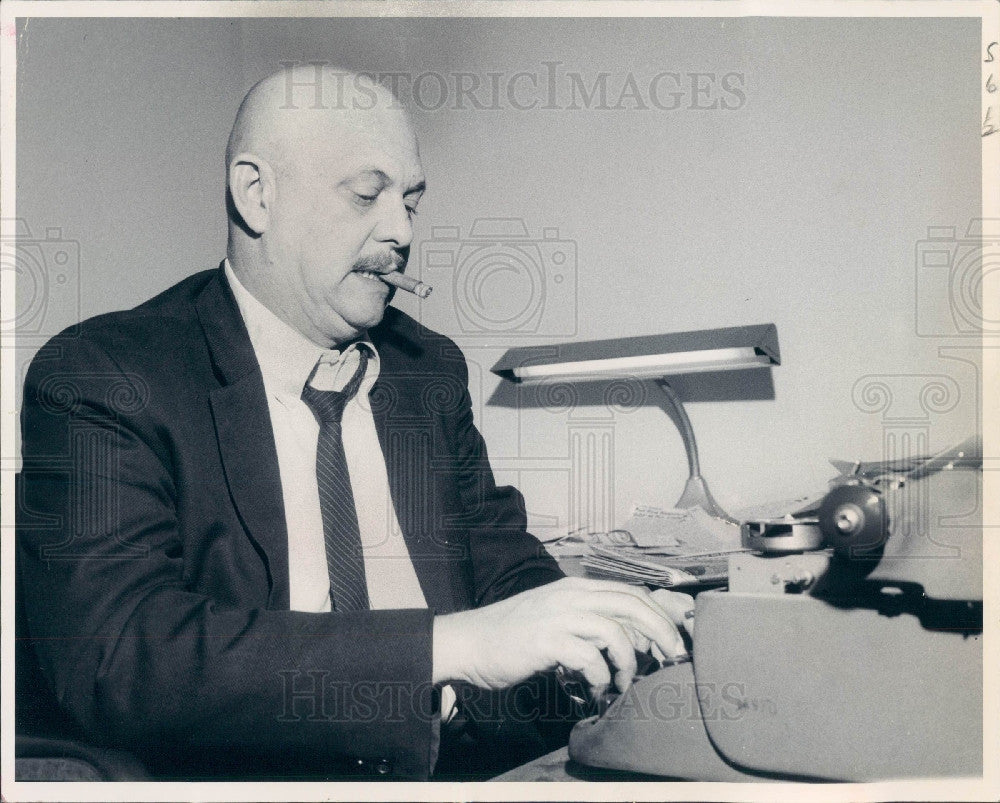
column 505, row 558
column 135, row 656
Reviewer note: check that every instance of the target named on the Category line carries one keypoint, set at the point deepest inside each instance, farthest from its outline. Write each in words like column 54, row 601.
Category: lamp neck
column 684, row 425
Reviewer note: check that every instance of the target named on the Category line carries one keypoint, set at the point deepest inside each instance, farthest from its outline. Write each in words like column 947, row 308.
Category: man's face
column 345, row 197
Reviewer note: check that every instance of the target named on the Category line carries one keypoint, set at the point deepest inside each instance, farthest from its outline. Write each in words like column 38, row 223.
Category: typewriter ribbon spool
column 781, row 536
column 854, row 519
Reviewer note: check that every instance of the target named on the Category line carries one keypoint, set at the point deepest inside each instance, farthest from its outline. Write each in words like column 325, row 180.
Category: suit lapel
column 407, row 434
column 405, row 430
column 243, row 428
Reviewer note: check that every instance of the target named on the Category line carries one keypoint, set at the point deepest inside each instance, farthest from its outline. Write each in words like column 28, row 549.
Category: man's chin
column 368, row 319
column 346, row 319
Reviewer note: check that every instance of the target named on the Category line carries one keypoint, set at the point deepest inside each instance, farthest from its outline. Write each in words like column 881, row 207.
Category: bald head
column 296, row 105
column 323, row 175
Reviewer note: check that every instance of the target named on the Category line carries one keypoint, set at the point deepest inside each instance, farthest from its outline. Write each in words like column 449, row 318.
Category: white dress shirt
column 286, row 360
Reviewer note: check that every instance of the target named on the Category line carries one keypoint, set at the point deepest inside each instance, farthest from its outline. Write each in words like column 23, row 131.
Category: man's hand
column 567, row 622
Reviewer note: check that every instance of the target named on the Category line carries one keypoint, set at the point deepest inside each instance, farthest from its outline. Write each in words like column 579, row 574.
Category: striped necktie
column 344, row 556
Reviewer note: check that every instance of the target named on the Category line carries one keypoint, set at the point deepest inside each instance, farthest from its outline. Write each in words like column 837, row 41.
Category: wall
column 803, row 205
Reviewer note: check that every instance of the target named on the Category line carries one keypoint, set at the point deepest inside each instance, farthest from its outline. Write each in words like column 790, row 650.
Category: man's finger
column 620, row 649
column 590, row 584
column 680, row 607
column 676, row 605
column 636, row 612
column 584, row 657
column 639, row 641
column 609, row 634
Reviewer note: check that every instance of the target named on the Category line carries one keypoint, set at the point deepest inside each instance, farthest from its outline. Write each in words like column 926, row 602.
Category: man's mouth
column 375, row 266
column 369, row 274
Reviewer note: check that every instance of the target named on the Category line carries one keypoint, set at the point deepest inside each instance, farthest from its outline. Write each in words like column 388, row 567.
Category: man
column 227, row 577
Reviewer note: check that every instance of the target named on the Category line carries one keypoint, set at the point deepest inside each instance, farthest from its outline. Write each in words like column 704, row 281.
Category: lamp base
column 696, row 494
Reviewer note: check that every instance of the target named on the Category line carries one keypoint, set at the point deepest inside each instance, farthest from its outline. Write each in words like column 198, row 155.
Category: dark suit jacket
column 153, row 546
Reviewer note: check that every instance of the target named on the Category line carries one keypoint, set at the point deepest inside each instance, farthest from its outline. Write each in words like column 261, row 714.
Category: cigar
column 407, row 283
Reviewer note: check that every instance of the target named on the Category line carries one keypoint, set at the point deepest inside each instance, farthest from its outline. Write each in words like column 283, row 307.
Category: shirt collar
column 286, row 357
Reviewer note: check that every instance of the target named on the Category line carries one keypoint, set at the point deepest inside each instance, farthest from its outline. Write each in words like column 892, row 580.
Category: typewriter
column 848, row 645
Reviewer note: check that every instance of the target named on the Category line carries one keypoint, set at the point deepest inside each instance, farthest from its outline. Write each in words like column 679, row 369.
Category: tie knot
column 328, row 405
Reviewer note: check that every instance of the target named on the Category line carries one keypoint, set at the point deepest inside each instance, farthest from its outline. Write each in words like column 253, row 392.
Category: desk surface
column 550, row 767
column 557, row 766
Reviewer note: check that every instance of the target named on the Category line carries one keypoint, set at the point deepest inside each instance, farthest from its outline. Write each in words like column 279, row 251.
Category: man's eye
column 365, row 199
column 411, row 210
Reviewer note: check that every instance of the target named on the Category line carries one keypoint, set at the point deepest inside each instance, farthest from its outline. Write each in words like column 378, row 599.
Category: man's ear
column 251, row 185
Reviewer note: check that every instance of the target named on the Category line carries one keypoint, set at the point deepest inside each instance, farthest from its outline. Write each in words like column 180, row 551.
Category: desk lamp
column 653, row 357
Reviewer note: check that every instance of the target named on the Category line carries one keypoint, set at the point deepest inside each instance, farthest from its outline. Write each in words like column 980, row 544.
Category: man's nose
column 394, row 225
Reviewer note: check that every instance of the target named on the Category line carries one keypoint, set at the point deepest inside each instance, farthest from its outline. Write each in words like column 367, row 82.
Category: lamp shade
column 733, row 348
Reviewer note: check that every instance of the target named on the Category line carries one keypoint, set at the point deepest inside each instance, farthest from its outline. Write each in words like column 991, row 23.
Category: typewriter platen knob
column 854, row 519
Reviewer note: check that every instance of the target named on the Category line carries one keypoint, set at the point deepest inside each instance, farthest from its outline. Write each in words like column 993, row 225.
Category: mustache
column 381, row 263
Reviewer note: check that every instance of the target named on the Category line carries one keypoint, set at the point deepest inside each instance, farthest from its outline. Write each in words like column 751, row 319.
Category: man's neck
column 254, row 277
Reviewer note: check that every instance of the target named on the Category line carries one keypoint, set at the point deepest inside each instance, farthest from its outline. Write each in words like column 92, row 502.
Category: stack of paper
column 686, row 530
column 657, row 547
column 633, row 565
